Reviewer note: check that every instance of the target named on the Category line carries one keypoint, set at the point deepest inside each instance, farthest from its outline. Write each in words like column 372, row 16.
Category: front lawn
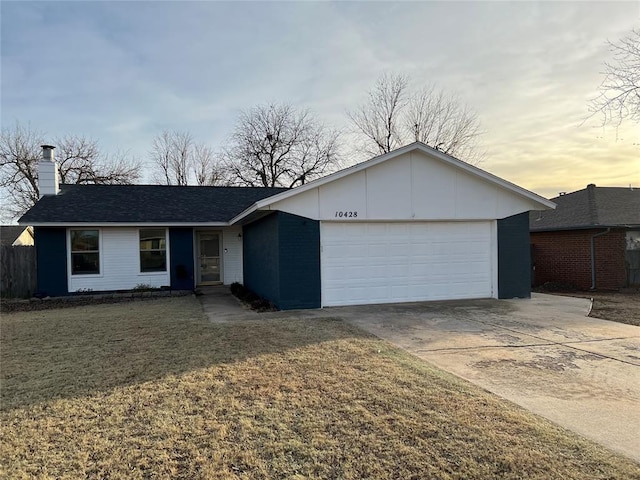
column 153, row 390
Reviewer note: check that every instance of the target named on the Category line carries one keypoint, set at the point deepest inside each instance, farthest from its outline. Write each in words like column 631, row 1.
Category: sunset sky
column 121, row 72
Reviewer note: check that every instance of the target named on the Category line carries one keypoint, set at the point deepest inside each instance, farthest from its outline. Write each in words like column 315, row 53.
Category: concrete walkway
column 220, row 306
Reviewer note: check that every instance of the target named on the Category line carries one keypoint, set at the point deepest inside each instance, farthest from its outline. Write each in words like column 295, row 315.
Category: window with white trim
column 153, row 250
column 85, row 252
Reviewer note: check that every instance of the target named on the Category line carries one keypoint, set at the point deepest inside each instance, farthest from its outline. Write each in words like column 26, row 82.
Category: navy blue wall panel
column 181, row 253
column 51, row 258
column 281, row 255
column 299, row 262
column 514, row 257
column 260, row 257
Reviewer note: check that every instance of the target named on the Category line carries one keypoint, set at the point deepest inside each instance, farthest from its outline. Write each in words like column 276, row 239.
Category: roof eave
column 582, row 227
column 128, row 224
column 244, row 213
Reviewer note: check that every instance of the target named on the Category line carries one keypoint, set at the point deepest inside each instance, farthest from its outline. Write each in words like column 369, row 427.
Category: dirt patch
column 35, row 304
column 557, row 363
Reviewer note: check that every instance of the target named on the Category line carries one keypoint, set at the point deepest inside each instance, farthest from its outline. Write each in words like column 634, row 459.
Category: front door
column 208, row 261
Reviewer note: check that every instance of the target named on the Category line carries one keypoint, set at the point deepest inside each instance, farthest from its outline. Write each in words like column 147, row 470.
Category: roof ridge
column 168, row 186
column 144, row 204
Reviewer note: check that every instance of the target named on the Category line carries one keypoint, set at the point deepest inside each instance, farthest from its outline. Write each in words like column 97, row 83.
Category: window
column 153, row 250
column 633, row 240
column 85, row 252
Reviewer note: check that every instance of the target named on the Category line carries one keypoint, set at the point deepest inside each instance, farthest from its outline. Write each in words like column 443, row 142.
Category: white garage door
column 405, row 262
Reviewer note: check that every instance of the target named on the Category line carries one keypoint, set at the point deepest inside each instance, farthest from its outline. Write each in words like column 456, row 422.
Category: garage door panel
column 412, row 261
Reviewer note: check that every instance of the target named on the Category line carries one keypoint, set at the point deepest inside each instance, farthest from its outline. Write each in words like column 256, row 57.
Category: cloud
column 123, row 71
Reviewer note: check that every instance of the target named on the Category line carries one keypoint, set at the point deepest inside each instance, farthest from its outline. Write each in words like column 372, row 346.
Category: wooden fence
column 17, row 271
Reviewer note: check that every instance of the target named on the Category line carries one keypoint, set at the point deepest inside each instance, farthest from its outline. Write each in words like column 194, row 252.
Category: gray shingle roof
column 590, row 207
column 144, row 204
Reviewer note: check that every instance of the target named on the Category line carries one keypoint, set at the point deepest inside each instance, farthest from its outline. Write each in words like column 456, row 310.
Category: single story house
column 16, row 236
column 590, row 241
column 414, row 224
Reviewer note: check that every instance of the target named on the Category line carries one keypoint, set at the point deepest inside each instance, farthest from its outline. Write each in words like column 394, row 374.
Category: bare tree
column 379, row 119
column 394, row 116
column 442, row 122
column 277, row 145
column 19, row 155
column 170, row 152
column 79, row 160
column 619, row 97
column 181, row 161
column 207, row 171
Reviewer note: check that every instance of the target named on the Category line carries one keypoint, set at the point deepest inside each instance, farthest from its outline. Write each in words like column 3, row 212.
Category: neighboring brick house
column 590, row 241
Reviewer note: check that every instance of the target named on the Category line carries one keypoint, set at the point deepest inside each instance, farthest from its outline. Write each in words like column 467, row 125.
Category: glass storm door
column 209, row 271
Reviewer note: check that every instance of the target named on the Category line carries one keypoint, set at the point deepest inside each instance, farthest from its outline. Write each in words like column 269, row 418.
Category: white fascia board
column 266, row 202
column 243, row 214
column 127, row 224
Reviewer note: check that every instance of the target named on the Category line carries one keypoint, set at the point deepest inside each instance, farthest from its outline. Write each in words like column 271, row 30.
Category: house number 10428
column 346, row 214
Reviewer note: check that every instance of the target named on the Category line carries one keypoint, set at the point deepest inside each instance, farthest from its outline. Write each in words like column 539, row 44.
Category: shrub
column 558, row 287
column 253, row 300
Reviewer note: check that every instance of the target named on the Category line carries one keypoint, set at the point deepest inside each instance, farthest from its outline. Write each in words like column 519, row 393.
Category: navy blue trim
column 514, row 257
column 260, row 258
column 51, row 258
column 299, row 262
column 181, row 258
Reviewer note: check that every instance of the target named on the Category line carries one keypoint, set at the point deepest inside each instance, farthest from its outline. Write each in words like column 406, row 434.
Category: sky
column 121, row 72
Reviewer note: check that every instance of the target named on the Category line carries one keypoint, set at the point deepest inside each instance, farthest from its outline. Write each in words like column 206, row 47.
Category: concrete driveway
column 544, row 354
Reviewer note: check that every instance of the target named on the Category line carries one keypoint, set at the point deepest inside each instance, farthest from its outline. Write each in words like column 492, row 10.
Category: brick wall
column 565, row 257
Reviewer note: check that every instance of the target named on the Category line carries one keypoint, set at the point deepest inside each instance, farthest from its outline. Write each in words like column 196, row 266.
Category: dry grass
column 617, row 307
column 622, row 307
column 151, row 390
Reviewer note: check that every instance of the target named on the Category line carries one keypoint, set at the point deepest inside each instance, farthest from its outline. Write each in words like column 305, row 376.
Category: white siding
column 389, row 190
column 412, row 186
column 348, row 193
column 364, row 263
column 119, row 264
column 48, row 179
column 232, row 255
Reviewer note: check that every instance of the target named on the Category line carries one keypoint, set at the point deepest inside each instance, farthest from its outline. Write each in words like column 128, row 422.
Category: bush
column 253, row 300
column 558, row 287
column 237, row 288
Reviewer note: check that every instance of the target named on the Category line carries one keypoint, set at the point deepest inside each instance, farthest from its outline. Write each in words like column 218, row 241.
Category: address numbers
column 341, row 214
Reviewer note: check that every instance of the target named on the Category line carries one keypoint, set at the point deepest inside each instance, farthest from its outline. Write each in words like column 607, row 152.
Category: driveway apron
column 542, row 353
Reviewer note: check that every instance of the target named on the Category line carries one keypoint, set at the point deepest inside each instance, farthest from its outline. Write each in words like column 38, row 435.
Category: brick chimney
column 48, row 182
